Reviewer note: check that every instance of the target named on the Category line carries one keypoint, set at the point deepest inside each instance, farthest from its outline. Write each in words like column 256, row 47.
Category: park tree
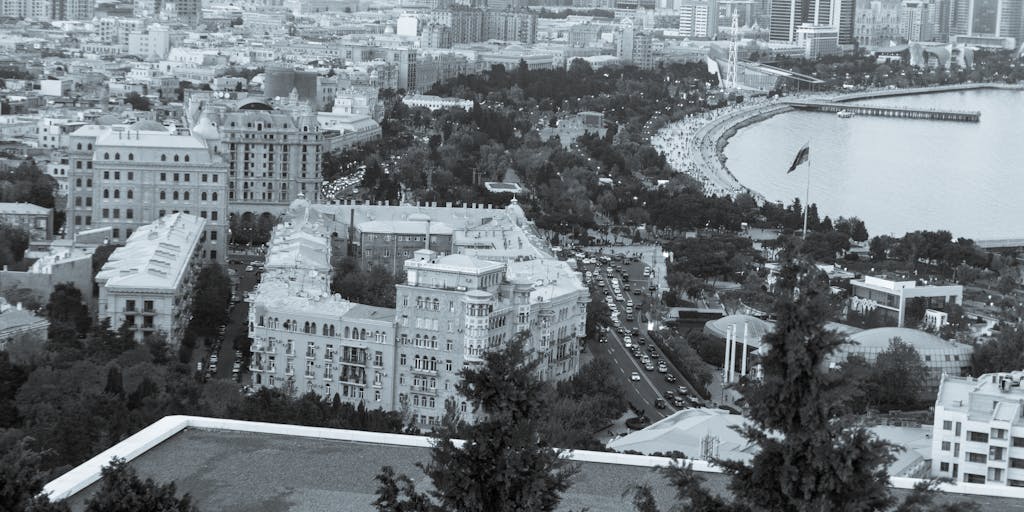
column 121, row 490
column 1003, row 353
column 66, row 307
column 898, row 377
column 211, row 299
column 13, row 244
column 22, row 479
column 810, row 457
column 503, row 465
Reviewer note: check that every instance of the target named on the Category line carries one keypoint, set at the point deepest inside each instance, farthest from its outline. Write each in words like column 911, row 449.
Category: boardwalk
column 887, row 111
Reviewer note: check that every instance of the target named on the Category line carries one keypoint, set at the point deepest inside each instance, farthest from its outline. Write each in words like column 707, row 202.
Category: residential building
column 388, row 243
column 272, row 149
column 844, row 18
column 518, row 25
column 890, row 297
column 698, row 19
column 877, row 23
column 134, row 175
column 148, row 284
column 633, row 45
column 306, row 339
column 584, row 34
column 916, row 20
column 818, row 40
column 36, row 220
column 65, row 262
column 978, row 433
column 787, row 16
column 18, row 325
column 436, row 35
column 466, row 24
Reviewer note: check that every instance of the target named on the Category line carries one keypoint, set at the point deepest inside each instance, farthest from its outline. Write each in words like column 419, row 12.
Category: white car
column 628, row 339
column 635, row 376
column 629, row 344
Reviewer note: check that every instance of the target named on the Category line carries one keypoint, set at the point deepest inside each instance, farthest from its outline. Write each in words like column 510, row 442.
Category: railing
column 424, row 371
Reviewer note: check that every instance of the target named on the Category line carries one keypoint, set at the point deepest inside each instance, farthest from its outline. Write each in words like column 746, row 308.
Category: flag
column 801, row 156
column 712, row 66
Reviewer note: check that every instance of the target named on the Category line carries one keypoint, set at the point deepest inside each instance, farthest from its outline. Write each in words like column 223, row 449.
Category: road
column 652, row 384
column 237, row 320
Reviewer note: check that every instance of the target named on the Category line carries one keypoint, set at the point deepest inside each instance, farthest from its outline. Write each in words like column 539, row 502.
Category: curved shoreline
column 711, row 138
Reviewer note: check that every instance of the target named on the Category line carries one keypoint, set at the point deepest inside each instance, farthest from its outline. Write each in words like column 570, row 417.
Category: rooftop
column 155, row 256
column 22, row 209
column 13, row 317
column 920, row 340
column 231, row 465
column 148, row 139
column 405, row 227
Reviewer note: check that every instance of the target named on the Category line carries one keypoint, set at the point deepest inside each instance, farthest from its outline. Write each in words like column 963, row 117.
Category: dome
column 147, row 125
column 299, row 204
column 879, row 339
column 755, row 327
column 205, row 129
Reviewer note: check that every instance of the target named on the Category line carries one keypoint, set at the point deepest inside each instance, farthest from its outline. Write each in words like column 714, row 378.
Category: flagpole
column 807, row 194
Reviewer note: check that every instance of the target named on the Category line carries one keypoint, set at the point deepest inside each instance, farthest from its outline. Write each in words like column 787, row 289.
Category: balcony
column 423, row 371
column 359, row 361
column 348, row 379
column 423, row 390
column 255, row 367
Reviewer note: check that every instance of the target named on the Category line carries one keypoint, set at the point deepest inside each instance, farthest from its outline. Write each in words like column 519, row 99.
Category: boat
column 845, row 114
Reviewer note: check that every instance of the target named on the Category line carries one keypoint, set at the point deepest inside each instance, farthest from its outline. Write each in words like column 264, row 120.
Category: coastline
column 711, row 136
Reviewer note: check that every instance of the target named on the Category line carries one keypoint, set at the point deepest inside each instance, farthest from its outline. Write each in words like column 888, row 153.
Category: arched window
column 204, row 196
column 346, row 332
column 163, row 195
column 214, row 197
column 437, row 304
column 186, row 158
column 89, row 146
column 106, row 156
column 130, row 194
column 79, row 145
column 131, row 156
column 163, row 158
column 106, row 194
column 362, row 334
column 324, row 329
column 175, row 158
column 175, row 195
column 117, row 194
column 117, row 156
column 312, row 328
column 332, row 331
column 186, row 195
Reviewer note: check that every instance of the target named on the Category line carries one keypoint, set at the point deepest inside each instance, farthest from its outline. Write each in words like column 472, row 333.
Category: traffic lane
column 651, row 385
column 238, row 317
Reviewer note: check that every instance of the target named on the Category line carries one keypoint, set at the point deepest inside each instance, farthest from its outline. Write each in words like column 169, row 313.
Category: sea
column 898, row 175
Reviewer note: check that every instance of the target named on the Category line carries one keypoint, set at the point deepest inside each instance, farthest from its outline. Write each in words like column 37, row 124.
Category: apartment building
column 304, row 338
column 148, row 283
column 125, row 177
column 978, row 434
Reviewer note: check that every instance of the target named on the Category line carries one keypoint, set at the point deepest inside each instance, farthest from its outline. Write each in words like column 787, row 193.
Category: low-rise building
column 61, row 264
column 38, row 221
column 18, row 325
column 818, row 40
column 891, row 296
column 435, row 102
column 149, row 282
column 978, row 433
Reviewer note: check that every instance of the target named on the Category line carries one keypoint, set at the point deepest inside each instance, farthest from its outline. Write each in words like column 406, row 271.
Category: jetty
column 886, row 111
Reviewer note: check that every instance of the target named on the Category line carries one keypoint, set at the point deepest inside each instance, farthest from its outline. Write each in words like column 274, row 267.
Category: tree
column 810, row 457
column 1003, row 353
column 503, row 464
column 66, row 307
column 898, row 377
column 138, row 102
column 13, row 244
column 122, row 490
column 21, row 480
column 212, row 296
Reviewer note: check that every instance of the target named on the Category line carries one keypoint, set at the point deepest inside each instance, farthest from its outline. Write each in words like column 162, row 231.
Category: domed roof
column 755, row 327
column 299, row 204
column 147, row 125
column 205, row 129
column 880, row 338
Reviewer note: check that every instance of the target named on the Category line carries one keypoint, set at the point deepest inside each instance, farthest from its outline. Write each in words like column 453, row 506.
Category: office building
column 584, row 34
column 148, row 284
column 788, row 16
column 698, row 19
column 304, row 338
column 978, row 433
column 818, row 40
column 997, row 23
column 916, row 21
column 844, row 16
column 125, row 177
column 891, row 296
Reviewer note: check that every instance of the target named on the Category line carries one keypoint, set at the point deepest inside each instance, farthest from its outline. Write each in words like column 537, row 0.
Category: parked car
column 670, row 378
column 635, row 376
column 659, row 403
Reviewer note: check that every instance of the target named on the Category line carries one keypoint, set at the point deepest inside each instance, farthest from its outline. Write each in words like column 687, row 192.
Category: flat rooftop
column 229, row 465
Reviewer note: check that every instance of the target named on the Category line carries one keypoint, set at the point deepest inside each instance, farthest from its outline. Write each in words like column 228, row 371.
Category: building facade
column 698, row 19
column 34, row 219
column 149, row 282
column 978, row 434
column 787, row 16
column 633, row 45
column 891, row 296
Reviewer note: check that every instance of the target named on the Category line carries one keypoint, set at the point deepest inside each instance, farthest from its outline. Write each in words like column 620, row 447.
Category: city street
column 237, row 322
column 652, row 385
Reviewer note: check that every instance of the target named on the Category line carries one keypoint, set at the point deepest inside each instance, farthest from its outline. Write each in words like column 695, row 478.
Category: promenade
column 695, row 145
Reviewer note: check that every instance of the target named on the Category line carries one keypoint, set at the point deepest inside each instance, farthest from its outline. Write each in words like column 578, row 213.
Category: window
column 999, row 433
column 213, row 215
column 977, row 457
column 117, row 213
column 1018, row 442
column 448, row 365
column 129, row 214
column 186, row 159
column 186, row 193
column 163, row 158
column 163, row 176
column 944, row 466
column 147, row 305
column 163, row 195
column 203, row 196
column 977, row 437
column 378, row 358
column 205, row 176
column 129, row 305
column 213, row 236
column 401, row 360
column 130, row 194
column 117, row 233
column 117, row 194
column 1017, row 463
column 106, row 194
column 131, row 175
column 947, row 425
column 105, row 213
column 945, row 446
column 176, row 158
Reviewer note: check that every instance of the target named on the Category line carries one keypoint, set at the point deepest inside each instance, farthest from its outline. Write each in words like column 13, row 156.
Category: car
column 669, row 394
column 628, row 344
column 652, row 349
column 619, row 329
column 199, row 366
column 652, row 287
column 678, row 402
column 670, row 378
column 655, row 355
column 629, row 303
column 603, row 340
column 649, row 367
column 641, row 340
column 636, row 291
column 636, row 331
column 635, row 376
column 683, row 390
column 249, row 268
column 627, row 338
column 659, row 403
column 662, row 367
column 213, row 358
column 213, row 368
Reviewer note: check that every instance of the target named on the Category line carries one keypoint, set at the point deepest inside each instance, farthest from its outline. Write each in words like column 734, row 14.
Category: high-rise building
column 518, row 25
column 698, row 19
column 124, row 177
column 844, row 15
column 877, row 23
column 634, row 45
column 147, row 284
column 916, row 21
column 987, row 19
column 789, row 15
column 818, row 40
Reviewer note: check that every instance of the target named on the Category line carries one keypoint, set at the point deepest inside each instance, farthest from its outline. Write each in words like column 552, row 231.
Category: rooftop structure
column 939, row 356
column 978, row 434
column 890, row 296
column 20, row 325
column 152, row 276
column 300, row 468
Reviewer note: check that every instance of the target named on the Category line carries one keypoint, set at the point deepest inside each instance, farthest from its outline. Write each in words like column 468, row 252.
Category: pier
column 885, row 111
